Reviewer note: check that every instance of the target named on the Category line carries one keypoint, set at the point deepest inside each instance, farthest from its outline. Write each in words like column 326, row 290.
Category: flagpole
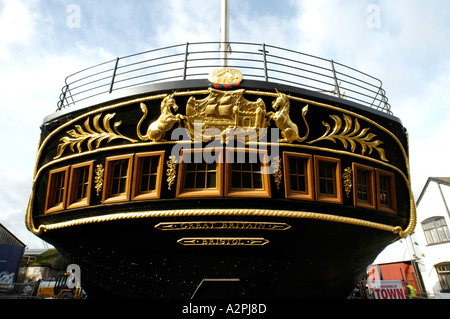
column 224, row 36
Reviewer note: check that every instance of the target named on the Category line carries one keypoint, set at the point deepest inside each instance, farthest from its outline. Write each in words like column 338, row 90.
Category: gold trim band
column 221, row 212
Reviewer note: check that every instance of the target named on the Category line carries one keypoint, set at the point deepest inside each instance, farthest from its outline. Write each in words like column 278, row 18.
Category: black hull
column 327, row 190
column 313, row 259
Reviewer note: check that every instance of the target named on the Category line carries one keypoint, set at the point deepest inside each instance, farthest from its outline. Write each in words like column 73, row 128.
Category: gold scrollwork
column 223, row 241
column 347, row 176
column 278, row 173
column 99, row 171
column 171, row 171
column 350, row 138
column 78, row 135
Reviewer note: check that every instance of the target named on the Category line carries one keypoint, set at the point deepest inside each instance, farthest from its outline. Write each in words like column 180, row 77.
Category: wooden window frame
column 435, row 230
column 73, row 180
column 392, row 209
column 443, row 274
column 265, row 176
column 136, row 193
column 212, row 192
column 371, row 203
column 51, row 190
column 289, row 193
column 338, row 198
column 106, row 196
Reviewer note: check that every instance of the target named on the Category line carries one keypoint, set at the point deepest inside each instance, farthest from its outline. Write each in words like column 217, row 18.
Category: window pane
column 56, row 197
column 246, row 180
column 211, row 180
column 189, row 180
column 155, row 162
column 115, row 187
column 436, row 230
column 327, row 178
column 144, row 182
column 297, row 172
column 200, row 176
column 236, row 180
column 257, row 180
column 81, row 182
column 200, row 180
column 246, row 176
column 152, row 182
column 122, row 185
column 146, row 163
column 385, row 190
column 294, row 183
column 293, row 165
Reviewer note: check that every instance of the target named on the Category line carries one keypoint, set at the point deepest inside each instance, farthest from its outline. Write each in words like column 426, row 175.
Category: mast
column 224, row 36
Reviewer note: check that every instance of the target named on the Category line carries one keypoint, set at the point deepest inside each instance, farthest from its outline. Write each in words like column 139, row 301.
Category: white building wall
column 415, row 247
column 432, row 204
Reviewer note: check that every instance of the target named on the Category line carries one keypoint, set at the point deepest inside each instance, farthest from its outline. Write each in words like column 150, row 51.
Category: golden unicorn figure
column 289, row 130
column 165, row 121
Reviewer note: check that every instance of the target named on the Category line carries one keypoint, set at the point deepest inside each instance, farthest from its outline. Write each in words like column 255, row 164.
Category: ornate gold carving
column 289, row 130
column 99, row 171
column 278, row 172
column 223, row 111
column 222, row 225
column 404, row 174
column 350, row 138
column 165, row 121
column 171, row 171
column 225, row 76
column 77, row 136
column 223, row 241
column 347, row 176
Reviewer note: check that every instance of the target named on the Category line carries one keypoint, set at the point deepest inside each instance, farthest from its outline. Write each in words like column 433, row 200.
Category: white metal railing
column 195, row 60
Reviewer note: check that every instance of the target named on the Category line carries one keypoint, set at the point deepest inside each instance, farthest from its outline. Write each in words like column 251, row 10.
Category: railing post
column 114, row 75
column 266, row 74
column 186, row 61
column 336, row 85
column 62, row 97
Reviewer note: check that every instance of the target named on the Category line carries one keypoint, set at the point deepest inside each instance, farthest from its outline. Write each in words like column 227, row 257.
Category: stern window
column 80, row 185
column 147, row 175
column 117, row 178
column 364, row 190
column 56, row 192
column 298, row 176
column 328, row 181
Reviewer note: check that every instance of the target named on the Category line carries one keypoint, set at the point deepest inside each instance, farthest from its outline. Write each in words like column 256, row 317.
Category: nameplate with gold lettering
column 222, row 225
column 223, row 241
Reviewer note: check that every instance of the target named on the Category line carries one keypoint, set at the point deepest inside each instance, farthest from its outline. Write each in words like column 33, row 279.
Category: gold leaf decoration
column 278, row 174
column 171, row 171
column 99, row 171
column 350, row 138
column 93, row 136
column 347, row 176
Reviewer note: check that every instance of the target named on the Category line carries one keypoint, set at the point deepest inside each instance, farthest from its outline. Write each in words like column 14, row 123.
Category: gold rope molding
column 220, row 212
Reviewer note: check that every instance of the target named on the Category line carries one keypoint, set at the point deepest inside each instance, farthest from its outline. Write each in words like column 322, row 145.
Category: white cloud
column 16, row 23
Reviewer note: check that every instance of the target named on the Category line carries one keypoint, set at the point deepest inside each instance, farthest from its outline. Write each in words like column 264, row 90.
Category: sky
column 404, row 43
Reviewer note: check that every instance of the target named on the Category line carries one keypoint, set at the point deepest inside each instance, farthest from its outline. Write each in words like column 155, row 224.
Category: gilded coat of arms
column 221, row 112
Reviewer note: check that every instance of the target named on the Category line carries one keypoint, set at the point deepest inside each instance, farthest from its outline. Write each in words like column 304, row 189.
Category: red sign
column 388, row 289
